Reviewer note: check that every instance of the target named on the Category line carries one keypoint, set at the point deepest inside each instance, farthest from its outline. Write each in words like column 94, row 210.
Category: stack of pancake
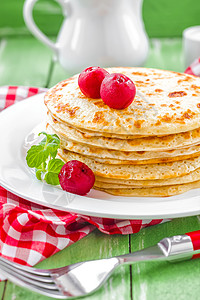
column 151, row 148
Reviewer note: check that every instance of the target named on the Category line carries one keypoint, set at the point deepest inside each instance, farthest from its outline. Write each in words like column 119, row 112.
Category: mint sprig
column 42, row 158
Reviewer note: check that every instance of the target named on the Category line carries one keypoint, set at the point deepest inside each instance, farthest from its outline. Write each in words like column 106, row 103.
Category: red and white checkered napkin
column 30, row 233
column 194, row 68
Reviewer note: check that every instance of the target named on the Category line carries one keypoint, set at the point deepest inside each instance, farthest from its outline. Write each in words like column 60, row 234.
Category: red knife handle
column 195, row 238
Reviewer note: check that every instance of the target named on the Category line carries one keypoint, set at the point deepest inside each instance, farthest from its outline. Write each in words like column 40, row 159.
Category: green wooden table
column 25, row 61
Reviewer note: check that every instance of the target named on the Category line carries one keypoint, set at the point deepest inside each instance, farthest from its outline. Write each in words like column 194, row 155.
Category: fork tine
column 47, row 279
column 25, row 268
column 50, row 293
column 45, row 285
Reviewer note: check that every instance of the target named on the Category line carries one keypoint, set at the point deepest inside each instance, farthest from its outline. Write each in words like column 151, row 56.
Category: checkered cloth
column 194, row 68
column 30, row 233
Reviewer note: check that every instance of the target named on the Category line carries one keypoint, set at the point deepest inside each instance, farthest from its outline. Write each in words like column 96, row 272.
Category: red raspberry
column 117, row 91
column 76, row 177
column 90, row 80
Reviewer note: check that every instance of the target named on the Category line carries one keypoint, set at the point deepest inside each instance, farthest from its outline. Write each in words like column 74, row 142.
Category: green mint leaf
column 38, row 174
column 54, row 153
column 42, row 167
column 43, row 142
column 36, row 155
column 51, row 178
column 44, row 133
column 55, row 139
column 52, row 149
column 51, row 143
column 50, row 138
column 55, row 165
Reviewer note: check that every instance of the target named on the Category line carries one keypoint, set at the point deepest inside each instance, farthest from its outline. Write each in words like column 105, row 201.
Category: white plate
column 16, row 123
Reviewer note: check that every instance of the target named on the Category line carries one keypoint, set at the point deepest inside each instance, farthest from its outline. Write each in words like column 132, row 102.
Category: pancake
column 165, row 191
column 123, row 157
column 151, row 148
column 89, row 133
column 170, row 104
column 137, row 162
column 137, row 172
column 174, row 141
column 108, row 182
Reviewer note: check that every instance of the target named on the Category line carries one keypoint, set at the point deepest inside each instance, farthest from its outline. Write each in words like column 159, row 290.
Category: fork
column 81, row 279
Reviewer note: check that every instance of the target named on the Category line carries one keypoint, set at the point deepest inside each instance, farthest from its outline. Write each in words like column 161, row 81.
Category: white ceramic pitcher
column 96, row 32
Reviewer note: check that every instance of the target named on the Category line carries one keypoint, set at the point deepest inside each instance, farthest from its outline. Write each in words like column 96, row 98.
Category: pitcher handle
column 28, row 18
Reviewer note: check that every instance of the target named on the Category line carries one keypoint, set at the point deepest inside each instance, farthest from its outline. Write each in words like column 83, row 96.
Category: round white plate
column 16, row 123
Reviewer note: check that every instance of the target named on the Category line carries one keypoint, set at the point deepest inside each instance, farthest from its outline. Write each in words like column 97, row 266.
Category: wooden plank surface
column 162, row 18
column 24, row 61
column 169, row 18
column 162, row 280
column 2, row 287
column 166, row 54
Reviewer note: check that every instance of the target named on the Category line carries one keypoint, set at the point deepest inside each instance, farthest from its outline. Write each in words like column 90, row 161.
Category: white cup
column 191, row 44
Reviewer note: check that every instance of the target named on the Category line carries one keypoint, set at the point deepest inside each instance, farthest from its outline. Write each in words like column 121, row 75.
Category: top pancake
column 170, row 104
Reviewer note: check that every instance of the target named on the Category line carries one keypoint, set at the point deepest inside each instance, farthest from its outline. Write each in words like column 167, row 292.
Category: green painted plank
column 58, row 74
column 2, row 286
column 162, row 18
column 47, row 15
column 162, row 280
column 94, row 246
column 169, row 18
column 166, row 54
column 24, row 61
